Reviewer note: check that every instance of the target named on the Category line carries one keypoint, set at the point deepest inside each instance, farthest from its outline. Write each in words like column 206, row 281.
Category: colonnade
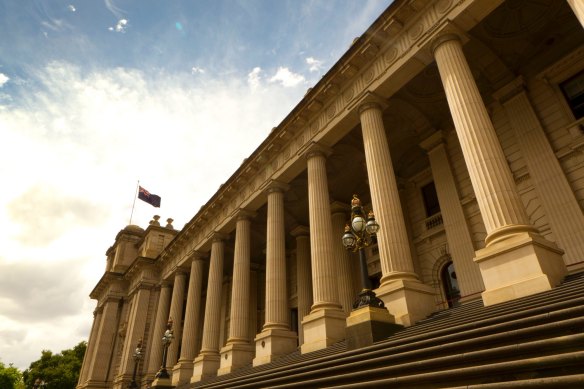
column 516, row 260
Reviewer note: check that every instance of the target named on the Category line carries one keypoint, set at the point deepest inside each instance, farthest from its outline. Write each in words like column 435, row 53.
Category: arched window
column 450, row 284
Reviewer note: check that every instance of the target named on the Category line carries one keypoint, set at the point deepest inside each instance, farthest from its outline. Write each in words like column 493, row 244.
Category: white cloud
column 79, row 144
column 121, row 26
column 3, row 79
column 118, row 12
column 196, row 69
column 315, row 64
column 71, row 8
column 287, row 78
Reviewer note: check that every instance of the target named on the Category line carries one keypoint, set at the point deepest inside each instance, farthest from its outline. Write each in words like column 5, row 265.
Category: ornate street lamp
column 360, row 233
column 137, row 357
column 166, row 341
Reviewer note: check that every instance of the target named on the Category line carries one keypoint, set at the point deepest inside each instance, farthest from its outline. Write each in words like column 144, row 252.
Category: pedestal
column 161, row 383
column 407, row 300
column 235, row 356
column 273, row 343
column 519, row 266
column 368, row 325
column 323, row 328
column 182, row 372
column 206, row 366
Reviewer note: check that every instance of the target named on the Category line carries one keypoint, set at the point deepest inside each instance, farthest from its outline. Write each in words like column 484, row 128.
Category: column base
column 368, row 325
column 182, row 372
column 206, row 366
column 235, row 356
column 161, row 383
column 519, row 266
column 323, row 328
column 273, row 343
column 407, row 300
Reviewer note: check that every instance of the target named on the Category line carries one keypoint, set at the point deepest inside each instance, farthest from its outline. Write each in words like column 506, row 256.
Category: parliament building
column 460, row 124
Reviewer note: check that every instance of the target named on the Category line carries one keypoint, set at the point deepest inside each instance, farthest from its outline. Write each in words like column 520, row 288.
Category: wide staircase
column 532, row 342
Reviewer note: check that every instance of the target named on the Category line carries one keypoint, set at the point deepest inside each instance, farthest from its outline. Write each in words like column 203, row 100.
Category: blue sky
column 95, row 95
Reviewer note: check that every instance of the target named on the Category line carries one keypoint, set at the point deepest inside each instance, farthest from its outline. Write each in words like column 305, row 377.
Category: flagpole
column 134, row 203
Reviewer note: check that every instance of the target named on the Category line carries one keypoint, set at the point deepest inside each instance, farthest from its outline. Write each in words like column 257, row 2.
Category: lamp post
column 137, row 357
column 166, row 341
column 359, row 234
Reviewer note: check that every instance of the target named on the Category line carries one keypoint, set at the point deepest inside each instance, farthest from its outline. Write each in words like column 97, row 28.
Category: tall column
column 135, row 332
column 239, row 351
column 183, row 370
column 276, row 338
column 405, row 297
column 207, row 363
column 325, row 324
column 457, row 231
column 553, row 189
column 155, row 361
column 88, row 357
column 516, row 261
column 578, row 8
column 340, row 216
column 303, row 276
column 104, row 345
column 176, row 310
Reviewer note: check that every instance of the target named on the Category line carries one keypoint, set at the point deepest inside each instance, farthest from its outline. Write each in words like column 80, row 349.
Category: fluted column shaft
column 276, row 297
column 239, row 314
column 159, row 327
column 176, row 309
column 343, row 260
column 303, row 276
column 136, row 327
column 90, row 346
column 392, row 238
column 324, row 272
column 455, row 225
column 558, row 199
column 193, row 311
column 212, row 325
column 578, row 8
column 490, row 175
column 105, row 341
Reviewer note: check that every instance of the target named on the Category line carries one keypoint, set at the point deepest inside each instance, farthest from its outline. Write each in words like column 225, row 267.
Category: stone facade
column 458, row 122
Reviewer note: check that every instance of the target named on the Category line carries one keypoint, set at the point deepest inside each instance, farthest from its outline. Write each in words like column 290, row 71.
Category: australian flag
column 150, row 198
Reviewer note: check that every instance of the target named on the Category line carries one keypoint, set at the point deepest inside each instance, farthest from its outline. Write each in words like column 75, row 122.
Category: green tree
column 10, row 377
column 58, row 371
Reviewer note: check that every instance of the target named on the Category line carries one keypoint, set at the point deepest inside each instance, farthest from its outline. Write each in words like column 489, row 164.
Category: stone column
column 276, row 339
column 325, row 324
column 155, row 361
column 405, row 297
column 303, row 276
column 553, row 189
column 516, row 261
column 88, row 357
column 183, row 370
column 207, row 363
column 340, row 216
column 578, row 8
column 104, row 342
column 176, row 310
column 135, row 332
column 457, row 233
column 239, row 351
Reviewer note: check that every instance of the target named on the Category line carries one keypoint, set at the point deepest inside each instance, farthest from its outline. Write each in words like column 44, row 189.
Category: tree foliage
column 58, row 371
column 10, row 377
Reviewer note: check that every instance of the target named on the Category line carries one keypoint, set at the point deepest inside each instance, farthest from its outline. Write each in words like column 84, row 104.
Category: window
column 573, row 90
column 430, row 199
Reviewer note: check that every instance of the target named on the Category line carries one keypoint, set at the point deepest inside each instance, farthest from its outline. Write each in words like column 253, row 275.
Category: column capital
column 433, row 141
column 510, row 90
column 300, row 231
column 272, row 186
column 371, row 100
column 313, row 149
column 243, row 214
column 196, row 255
column 339, row 207
column 217, row 236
